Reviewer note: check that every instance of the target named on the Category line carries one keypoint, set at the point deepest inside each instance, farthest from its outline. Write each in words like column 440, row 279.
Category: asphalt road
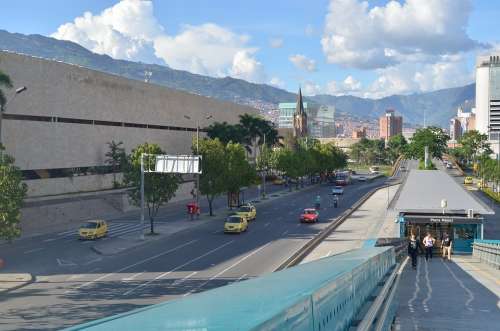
column 74, row 284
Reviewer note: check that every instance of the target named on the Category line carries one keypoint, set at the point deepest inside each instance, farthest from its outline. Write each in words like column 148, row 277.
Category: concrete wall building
column 455, row 129
column 287, row 109
column 58, row 129
column 390, row 124
column 462, row 123
column 359, row 133
column 488, row 98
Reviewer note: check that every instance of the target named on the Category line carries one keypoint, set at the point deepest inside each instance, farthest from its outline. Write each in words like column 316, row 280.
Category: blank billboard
column 178, row 164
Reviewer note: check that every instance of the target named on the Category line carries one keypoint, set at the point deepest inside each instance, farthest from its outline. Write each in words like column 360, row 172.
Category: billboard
column 178, row 164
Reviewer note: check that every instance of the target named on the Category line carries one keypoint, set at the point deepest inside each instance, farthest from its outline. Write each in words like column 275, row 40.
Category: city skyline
column 290, row 44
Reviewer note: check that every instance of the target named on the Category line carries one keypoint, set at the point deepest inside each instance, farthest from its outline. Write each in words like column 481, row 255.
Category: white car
column 362, row 179
column 337, row 190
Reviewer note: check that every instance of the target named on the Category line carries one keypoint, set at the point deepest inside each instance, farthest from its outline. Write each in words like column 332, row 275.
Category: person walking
column 429, row 245
column 317, row 202
column 446, row 246
column 413, row 251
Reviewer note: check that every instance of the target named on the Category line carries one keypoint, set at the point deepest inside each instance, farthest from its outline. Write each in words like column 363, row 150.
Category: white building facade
column 488, row 98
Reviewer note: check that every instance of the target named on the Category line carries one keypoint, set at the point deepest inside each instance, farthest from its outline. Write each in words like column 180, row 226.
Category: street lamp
column 19, row 90
column 490, row 130
column 197, row 153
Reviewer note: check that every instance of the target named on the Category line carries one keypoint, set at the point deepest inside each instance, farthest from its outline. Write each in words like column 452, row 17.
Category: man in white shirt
column 428, row 244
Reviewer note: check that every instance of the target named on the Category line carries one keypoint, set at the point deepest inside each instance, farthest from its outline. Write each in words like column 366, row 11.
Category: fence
column 488, row 251
column 326, row 294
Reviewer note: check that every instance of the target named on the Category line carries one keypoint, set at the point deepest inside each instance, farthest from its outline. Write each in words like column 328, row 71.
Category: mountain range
column 439, row 106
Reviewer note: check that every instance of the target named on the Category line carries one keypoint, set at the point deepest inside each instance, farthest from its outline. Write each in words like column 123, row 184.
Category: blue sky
column 337, row 47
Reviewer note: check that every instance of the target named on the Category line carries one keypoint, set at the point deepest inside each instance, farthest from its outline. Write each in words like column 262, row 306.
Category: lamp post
column 197, row 153
column 490, row 129
column 18, row 91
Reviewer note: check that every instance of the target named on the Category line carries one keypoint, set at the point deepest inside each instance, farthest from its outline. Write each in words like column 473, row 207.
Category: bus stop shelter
column 432, row 201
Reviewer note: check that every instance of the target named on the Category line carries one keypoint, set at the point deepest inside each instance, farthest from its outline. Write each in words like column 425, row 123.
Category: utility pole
column 142, row 196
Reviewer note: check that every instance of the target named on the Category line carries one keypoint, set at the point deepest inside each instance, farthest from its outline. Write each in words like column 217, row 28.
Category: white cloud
column 303, row 62
column 310, row 88
column 349, row 85
column 277, row 82
column 276, row 42
column 129, row 30
column 356, row 35
column 124, row 31
column 247, row 67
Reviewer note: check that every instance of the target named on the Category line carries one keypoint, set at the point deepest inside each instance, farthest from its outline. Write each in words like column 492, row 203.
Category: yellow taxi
column 93, row 229
column 248, row 211
column 236, row 224
column 468, row 180
column 278, row 181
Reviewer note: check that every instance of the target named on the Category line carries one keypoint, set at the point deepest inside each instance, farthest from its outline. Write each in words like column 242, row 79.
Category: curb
column 26, row 283
column 309, row 246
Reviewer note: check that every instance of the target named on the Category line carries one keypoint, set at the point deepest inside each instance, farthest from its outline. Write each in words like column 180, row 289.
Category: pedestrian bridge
column 363, row 289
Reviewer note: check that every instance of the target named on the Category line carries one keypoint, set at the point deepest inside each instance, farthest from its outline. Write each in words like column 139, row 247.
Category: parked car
column 279, row 181
column 309, row 215
column 235, row 224
column 337, row 190
column 93, row 229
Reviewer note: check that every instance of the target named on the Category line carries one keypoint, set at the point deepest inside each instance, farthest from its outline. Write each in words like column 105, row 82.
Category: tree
column 237, row 171
column 433, row 137
column 116, row 158
column 396, row 146
column 474, row 145
column 4, row 82
column 367, row 151
column 13, row 191
column 226, row 132
column 212, row 178
column 159, row 188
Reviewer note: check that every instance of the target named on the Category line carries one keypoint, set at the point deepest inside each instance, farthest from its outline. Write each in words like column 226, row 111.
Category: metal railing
column 488, row 251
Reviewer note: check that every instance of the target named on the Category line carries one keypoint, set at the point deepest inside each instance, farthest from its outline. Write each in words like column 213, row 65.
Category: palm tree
column 4, row 82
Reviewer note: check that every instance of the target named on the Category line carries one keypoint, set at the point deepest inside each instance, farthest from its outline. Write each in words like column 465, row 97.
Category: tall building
column 488, row 98
column 359, row 133
column 455, row 129
column 323, row 125
column 390, row 124
column 299, row 118
column 462, row 123
column 286, row 111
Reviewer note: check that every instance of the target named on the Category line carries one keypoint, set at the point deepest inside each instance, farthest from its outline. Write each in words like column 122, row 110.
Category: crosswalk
column 115, row 229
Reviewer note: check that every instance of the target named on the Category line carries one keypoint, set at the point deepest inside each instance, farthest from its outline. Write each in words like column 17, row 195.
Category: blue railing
column 488, row 251
column 322, row 295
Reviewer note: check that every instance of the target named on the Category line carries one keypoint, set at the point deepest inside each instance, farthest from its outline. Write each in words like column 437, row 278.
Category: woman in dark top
column 413, row 251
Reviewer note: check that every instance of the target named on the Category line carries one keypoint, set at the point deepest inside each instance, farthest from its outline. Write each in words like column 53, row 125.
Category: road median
column 13, row 281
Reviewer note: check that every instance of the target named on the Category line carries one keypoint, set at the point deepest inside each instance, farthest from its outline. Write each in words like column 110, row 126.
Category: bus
column 343, row 178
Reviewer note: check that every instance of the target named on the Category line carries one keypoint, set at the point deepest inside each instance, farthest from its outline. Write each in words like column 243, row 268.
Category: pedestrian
column 429, row 245
column 413, row 251
column 318, row 202
column 446, row 246
column 335, row 201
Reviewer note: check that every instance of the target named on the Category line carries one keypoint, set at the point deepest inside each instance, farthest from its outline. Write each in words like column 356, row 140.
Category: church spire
column 299, row 118
column 299, row 108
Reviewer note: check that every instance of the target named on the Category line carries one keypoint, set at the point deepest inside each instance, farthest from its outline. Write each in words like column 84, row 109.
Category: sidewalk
column 362, row 228
column 10, row 282
column 165, row 229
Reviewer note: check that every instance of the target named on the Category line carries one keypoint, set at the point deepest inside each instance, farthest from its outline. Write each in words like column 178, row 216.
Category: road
column 74, row 284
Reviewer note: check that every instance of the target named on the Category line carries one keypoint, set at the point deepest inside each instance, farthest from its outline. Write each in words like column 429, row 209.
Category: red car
column 309, row 215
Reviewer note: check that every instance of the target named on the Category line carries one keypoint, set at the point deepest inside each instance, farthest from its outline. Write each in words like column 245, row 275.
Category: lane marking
column 285, row 233
column 65, row 263
column 176, row 268
column 180, row 281
column 266, row 225
column 93, row 261
column 228, row 268
column 34, row 250
column 49, row 240
column 135, row 264
column 127, row 279
column 241, row 277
